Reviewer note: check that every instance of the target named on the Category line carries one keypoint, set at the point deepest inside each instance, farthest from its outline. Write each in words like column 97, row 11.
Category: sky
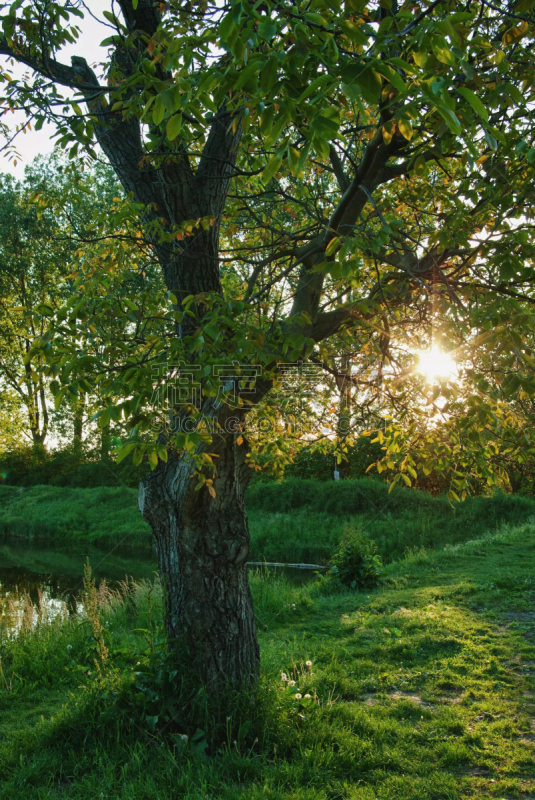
column 33, row 143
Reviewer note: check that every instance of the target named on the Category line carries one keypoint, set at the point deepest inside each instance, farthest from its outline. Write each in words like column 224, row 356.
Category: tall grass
column 302, row 520
column 91, row 515
column 293, row 521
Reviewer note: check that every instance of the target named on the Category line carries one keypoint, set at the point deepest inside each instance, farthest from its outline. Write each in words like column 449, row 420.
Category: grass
column 65, row 514
column 421, row 690
column 311, row 516
column 306, row 526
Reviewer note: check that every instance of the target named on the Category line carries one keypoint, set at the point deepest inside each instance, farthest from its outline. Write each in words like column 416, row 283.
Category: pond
column 51, row 575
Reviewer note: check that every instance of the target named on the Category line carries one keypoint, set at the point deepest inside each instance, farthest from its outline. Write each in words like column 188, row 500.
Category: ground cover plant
column 420, row 690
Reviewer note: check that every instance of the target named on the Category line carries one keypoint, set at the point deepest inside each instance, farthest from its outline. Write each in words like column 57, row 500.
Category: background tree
column 33, row 266
column 298, row 171
column 50, row 223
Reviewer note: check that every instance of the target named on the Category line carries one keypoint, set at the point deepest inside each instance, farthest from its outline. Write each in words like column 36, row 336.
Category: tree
column 31, row 265
column 300, row 172
column 11, row 423
column 40, row 241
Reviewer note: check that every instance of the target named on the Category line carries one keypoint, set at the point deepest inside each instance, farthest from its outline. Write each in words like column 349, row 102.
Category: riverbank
column 102, row 514
column 421, row 690
column 294, row 521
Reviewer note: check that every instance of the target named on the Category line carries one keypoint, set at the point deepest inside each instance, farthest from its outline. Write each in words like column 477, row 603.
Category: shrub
column 355, row 562
column 30, row 466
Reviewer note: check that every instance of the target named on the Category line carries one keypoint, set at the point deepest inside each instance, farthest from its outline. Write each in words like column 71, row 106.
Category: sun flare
column 434, row 363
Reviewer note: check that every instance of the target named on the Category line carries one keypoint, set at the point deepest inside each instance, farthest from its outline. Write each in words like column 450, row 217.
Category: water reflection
column 18, row 610
column 40, row 582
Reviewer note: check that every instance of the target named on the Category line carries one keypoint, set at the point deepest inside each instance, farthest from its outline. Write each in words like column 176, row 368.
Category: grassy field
column 421, row 690
column 295, row 521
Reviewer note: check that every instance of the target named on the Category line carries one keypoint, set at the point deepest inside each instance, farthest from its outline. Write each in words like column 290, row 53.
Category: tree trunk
column 105, row 442
column 345, row 389
column 203, row 545
column 78, row 423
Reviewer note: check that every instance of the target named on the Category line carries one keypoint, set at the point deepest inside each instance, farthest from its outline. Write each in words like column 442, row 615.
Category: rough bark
column 203, row 544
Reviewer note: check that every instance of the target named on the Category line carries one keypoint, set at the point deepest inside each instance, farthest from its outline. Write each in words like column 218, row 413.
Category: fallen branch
column 277, row 564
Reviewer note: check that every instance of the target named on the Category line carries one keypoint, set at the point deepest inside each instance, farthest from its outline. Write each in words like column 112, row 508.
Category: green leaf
column 449, row 118
column 268, row 75
column 391, row 75
column 332, row 246
column 385, row 25
column 123, row 452
column 45, row 310
column 354, row 32
column 138, row 455
column 59, row 398
column 276, row 130
column 247, row 72
column 317, row 19
column 173, row 127
column 370, row 83
column 313, row 87
column 420, row 166
column 474, row 101
column 153, row 459
column 226, row 26
column 406, row 67
column 491, row 141
column 271, row 168
column 267, row 29
column 321, row 146
column 405, row 128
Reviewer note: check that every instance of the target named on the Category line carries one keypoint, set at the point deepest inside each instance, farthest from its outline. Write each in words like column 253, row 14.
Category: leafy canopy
column 346, row 176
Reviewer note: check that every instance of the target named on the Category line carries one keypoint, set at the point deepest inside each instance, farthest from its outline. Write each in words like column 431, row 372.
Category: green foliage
column 43, row 220
column 319, row 464
column 367, row 148
column 355, row 562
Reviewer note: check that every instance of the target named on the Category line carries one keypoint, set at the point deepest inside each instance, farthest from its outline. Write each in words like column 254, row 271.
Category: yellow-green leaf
column 405, row 128
column 271, row 168
column 174, row 126
column 158, row 111
column 332, row 246
column 354, row 32
column 444, row 55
